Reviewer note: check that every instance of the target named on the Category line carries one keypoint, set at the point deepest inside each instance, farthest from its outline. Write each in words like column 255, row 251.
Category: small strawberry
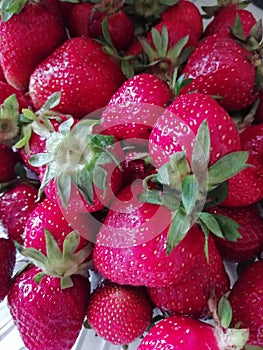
column 26, row 40
column 7, row 263
column 16, row 204
column 232, row 78
column 89, row 68
column 119, row 313
column 246, row 301
column 134, row 108
column 187, row 11
column 176, row 128
column 9, row 159
column 48, row 302
column 250, row 242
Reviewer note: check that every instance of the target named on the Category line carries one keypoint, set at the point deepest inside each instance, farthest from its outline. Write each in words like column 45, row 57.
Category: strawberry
column 79, row 19
column 249, row 244
column 246, row 301
column 190, row 295
column 89, row 69
column 26, row 40
column 252, row 139
column 187, row 11
column 184, row 333
column 7, row 263
column 119, row 313
column 9, row 159
column 6, row 90
column 59, row 9
column 49, row 303
column 177, row 126
column 232, row 78
column 120, row 25
column 131, row 244
column 133, row 109
column 16, row 204
column 225, row 17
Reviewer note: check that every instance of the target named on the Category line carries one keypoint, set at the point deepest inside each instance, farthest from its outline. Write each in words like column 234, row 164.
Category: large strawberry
column 246, row 301
column 78, row 65
column 49, row 302
column 221, row 67
column 7, row 262
column 176, row 128
column 250, row 242
column 26, row 39
column 134, row 108
column 119, row 313
column 16, row 204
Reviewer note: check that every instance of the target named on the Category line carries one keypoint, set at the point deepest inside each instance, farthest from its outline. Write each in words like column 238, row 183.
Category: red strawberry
column 225, row 18
column 190, row 295
column 9, row 159
column 176, row 129
column 187, row 11
column 59, row 9
column 219, row 66
column 134, row 108
column 131, row 244
column 7, row 263
column 246, row 301
column 79, row 19
column 26, row 39
column 90, row 70
column 250, row 242
column 184, row 333
column 2, row 77
column 49, row 300
column 252, row 139
column 6, row 90
column 16, row 204
column 119, row 314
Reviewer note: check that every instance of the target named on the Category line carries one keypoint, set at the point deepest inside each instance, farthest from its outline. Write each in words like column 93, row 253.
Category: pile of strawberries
column 131, row 147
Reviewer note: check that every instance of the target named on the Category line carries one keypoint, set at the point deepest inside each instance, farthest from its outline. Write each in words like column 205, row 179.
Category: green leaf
column 66, row 282
column 100, row 178
column 227, row 167
column 229, row 227
column 52, row 101
column 189, row 193
column 206, row 233
column 40, row 159
column 102, row 141
column 211, row 223
column 48, row 176
column 84, row 182
column 224, row 312
column 52, row 248
column 39, row 276
column 218, row 195
column 64, row 128
column 201, row 149
column 35, row 255
column 64, row 188
column 127, row 69
column 29, row 114
column 106, row 32
column 178, row 229
column 151, row 196
column 177, row 49
column 11, row 7
column 70, row 244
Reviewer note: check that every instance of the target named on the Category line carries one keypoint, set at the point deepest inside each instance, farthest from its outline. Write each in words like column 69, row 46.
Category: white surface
column 9, row 336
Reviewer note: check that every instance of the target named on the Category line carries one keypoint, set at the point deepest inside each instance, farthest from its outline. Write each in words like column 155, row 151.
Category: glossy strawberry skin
column 221, row 67
column 246, row 300
column 177, row 127
column 119, row 314
column 131, row 244
column 16, row 205
column 46, row 312
column 251, row 230
column 90, row 70
column 26, row 40
column 180, row 333
column 7, row 263
column 9, row 159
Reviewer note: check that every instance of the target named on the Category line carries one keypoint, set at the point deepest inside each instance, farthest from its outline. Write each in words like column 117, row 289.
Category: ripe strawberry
column 176, row 129
column 232, row 78
column 49, row 300
column 6, row 90
column 79, row 19
column 184, row 333
column 134, row 108
column 225, row 18
column 190, row 296
column 7, row 263
column 252, row 139
column 26, row 40
column 250, row 242
column 59, row 9
column 131, row 244
column 246, row 301
column 119, row 313
column 9, row 159
column 187, row 11
column 89, row 69
column 16, row 204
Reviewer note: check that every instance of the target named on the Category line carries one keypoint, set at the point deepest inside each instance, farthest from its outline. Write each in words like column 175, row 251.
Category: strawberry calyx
column 62, row 264
column 150, row 9
column 9, row 113
column 76, row 155
column 109, row 7
column 189, row 189
column 211, row 11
